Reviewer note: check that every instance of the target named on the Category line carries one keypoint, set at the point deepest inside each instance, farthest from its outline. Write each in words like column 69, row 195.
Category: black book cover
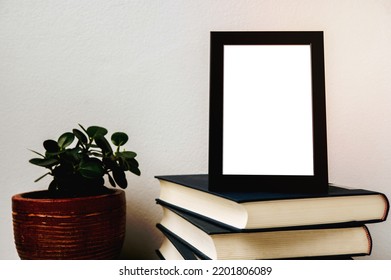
column 182, row 248
column 200, row 182
column 212, row 226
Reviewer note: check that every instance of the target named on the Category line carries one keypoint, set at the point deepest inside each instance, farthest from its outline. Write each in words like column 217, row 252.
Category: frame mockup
column 267, row 112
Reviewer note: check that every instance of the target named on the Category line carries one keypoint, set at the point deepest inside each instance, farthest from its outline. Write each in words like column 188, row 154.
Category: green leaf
column 135, row 170
column 44, row 162
column 96, row 131
column 36, row 180
column 80, row 135
column 109, row 163
column 120, row 178
column 127, row 154
column 132, row 162
column 111, row 180
column 72, row 155
column 102, row 143
column 53, row 186
column 82, row 127
column 65, row 140
column 37, row 153
column 132, row 166
column 91, row 169
column 51, row 146
column 119, row 138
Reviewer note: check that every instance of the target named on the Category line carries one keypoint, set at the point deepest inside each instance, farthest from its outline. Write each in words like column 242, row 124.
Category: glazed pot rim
column 25, row 196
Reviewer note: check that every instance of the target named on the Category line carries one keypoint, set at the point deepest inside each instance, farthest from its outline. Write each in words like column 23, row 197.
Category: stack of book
column 200, row 224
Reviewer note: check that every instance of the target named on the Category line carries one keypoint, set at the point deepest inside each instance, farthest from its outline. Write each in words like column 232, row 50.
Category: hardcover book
column 254, row 210
column 213, row 241
column 173, row 248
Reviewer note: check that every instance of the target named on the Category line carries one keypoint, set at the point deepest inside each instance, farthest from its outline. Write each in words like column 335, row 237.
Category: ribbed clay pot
column 69, row 228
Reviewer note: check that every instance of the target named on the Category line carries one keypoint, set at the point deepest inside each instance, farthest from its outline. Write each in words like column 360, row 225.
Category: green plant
column 80, row 169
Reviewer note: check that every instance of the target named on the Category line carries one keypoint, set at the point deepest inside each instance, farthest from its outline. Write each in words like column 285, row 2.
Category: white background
column 143, row 67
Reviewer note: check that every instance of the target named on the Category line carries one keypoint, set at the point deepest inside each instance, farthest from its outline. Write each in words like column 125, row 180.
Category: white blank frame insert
column 267, row 112
column 275, row 116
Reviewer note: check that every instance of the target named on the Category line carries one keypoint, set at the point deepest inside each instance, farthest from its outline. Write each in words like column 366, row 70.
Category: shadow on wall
column 142, row 236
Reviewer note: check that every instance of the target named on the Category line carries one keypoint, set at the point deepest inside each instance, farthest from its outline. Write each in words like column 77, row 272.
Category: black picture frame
column 315, row 182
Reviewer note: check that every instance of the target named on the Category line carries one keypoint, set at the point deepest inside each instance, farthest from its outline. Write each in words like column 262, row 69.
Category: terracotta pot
column 69, row 228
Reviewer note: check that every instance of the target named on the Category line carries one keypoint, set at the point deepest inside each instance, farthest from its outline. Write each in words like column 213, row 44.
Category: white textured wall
column 143, row 67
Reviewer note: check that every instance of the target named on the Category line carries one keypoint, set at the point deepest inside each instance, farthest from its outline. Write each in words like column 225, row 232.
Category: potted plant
column 77, row 217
